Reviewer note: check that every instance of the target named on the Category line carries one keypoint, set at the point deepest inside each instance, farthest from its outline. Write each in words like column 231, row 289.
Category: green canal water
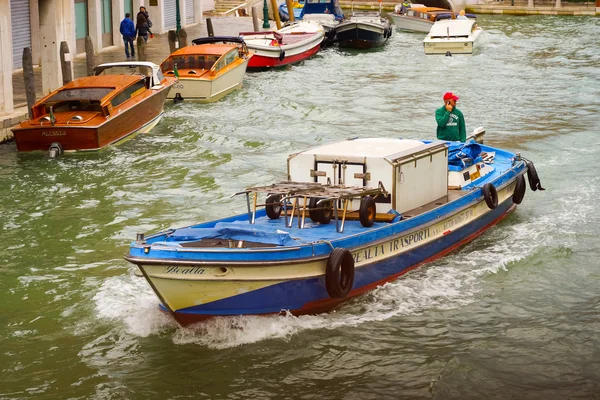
column 513, row 315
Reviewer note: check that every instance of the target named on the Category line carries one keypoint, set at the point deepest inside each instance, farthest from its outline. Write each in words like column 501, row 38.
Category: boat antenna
column 380, row 7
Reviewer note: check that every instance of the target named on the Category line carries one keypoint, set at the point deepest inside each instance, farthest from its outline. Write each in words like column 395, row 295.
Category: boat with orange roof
column 208, row 69
column 93, row 112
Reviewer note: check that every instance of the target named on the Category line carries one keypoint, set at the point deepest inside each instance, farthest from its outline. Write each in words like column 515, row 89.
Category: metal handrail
column 247, row 4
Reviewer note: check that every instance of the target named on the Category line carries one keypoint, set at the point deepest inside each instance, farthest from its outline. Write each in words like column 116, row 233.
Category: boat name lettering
column 184, row 270
column 178, row 86
column 54, row 133
column 459, row 218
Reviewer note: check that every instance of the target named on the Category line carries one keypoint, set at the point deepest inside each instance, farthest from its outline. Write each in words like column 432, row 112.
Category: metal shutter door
column 189, row 10
column 21, row 30
column 170, row 14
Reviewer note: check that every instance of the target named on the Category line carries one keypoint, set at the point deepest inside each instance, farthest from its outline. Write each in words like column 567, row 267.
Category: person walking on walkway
column 450, row 121
column 148, row 20
column 141, row 26
column 128, row 31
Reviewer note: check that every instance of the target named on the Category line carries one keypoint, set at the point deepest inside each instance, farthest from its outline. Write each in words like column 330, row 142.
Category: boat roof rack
column 292, row 192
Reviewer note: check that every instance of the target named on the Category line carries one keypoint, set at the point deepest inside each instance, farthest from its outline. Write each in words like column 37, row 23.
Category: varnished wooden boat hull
column 141, row 117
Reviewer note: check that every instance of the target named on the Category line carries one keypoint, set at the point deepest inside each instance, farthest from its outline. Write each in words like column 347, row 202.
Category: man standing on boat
column 450, row 121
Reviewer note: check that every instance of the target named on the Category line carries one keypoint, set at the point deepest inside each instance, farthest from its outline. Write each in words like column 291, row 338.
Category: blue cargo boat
column 351, row 216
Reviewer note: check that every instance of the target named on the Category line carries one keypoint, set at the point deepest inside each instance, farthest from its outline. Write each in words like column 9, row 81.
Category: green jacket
column 450, row 125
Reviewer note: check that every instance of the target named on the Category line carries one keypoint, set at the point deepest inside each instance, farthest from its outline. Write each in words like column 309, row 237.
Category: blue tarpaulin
column 463, row 155
column 234, row 231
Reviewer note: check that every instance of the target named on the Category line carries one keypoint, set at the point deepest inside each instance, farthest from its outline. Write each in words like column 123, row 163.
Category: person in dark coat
column 127, row 29
column 141, row 26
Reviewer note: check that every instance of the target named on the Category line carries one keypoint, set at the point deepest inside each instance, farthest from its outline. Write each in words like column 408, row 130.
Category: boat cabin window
column 231, row 57
column 73, row 105
column 128, row 93
column 77, row 99
column 194, row 61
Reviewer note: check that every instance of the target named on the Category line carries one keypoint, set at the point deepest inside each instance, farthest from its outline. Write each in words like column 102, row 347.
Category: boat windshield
column 78, row 99
column 192, row 61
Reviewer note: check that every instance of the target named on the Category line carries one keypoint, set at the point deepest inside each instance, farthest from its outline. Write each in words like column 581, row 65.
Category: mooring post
column 172, row 38
column 290, row 7
column 65, row 63
column 209, row 27
column 255, row 19
column 276, row 14
column 89, row 55
column 182, row 38
column 29, row 79
column 141, row 47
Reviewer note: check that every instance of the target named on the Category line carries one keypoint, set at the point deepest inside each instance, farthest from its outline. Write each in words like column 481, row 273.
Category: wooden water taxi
column 419, row 18
column 209, row 69
column 93, row 112
column 352, row 215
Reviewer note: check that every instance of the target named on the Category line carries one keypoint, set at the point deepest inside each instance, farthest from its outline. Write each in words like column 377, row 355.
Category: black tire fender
column 281, row 55
column 490, row 195
column 532, row 177
column 520, row 188
column 339, row 275
column 273, row 206
column 367, row 211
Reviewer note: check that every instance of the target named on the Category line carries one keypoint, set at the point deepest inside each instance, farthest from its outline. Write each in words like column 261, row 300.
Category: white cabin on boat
column 412, row 172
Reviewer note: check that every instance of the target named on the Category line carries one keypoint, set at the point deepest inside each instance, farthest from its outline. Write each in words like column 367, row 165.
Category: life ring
column 339, row 275
column 532, row 177
column 490, row 195
column 273, row 206
column 520, row 188
column 321, row 214
column 367, row 211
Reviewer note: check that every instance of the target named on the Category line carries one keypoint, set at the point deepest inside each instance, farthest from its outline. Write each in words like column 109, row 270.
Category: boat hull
column 193, row 291
column 139, row 118
column 411, row 24
column 272, row 59
column 361, row 36
column 208, row 90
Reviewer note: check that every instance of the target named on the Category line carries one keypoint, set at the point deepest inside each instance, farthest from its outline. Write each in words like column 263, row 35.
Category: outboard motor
column 55, row 150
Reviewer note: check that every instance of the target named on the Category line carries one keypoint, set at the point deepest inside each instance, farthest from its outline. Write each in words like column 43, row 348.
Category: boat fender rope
column 520, row 188
column 532, row 177
column 339, row 274
column 490, row 195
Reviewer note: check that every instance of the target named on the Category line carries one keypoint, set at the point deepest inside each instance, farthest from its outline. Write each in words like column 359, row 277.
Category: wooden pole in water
column 182, row 38
column 171, row 37
column 29, row 79
column 89, row 55
column 65, row 63
column 255, row 19
column 276, row 13
column 290, row 8
column 209, row 27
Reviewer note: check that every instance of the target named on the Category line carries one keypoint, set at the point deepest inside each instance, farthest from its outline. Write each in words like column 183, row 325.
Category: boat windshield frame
column 155, row 72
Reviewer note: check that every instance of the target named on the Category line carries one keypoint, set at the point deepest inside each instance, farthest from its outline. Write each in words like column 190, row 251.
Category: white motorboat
column 453, row 36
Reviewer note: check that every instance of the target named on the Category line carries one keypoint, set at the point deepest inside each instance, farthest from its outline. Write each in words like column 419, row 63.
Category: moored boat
column 93, row 112
column 208, row 69
column 291, row 44
column 452, row 36
column 419, row 18
column 363, row 30
column 327, row 13
column 352, row 215
column 297, row 7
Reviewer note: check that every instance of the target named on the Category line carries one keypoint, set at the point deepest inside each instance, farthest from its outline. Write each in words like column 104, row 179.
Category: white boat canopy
column 452, row 28
column 157, row 75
